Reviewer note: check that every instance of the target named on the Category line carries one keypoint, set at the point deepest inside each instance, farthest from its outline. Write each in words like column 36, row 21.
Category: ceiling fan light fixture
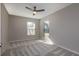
column 34, row 12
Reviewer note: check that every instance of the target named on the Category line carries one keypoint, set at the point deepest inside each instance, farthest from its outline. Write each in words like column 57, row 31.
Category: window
column 30, row 28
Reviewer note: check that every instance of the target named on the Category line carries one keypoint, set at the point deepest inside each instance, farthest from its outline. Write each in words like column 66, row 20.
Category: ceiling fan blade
column 40, row 10
column 29, row 8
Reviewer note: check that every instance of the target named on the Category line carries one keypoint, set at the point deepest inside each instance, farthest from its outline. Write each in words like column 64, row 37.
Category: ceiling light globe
column 34, row 12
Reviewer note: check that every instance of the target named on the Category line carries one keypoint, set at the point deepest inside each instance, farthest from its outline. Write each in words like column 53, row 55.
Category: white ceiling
column 20, row 10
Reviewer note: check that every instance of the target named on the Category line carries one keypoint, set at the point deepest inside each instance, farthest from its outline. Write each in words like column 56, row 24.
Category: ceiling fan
column 35, row 10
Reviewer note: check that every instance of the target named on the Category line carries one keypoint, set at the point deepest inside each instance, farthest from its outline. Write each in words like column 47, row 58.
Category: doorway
column 46, row 28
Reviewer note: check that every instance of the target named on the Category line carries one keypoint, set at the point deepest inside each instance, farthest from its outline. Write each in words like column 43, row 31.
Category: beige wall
column 0, row 28
column 64, row 27
column 4, row 28
column 0, row 23
column 18, row 28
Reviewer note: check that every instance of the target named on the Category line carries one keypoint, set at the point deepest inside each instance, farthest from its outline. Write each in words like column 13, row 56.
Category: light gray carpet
column 37, row 50
column 60, row 52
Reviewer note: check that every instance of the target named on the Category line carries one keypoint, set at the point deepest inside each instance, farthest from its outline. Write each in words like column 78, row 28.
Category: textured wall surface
column 0, row 23
column 18, row 29
column 0, row 28
column 64, row 27
column 4, row 28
